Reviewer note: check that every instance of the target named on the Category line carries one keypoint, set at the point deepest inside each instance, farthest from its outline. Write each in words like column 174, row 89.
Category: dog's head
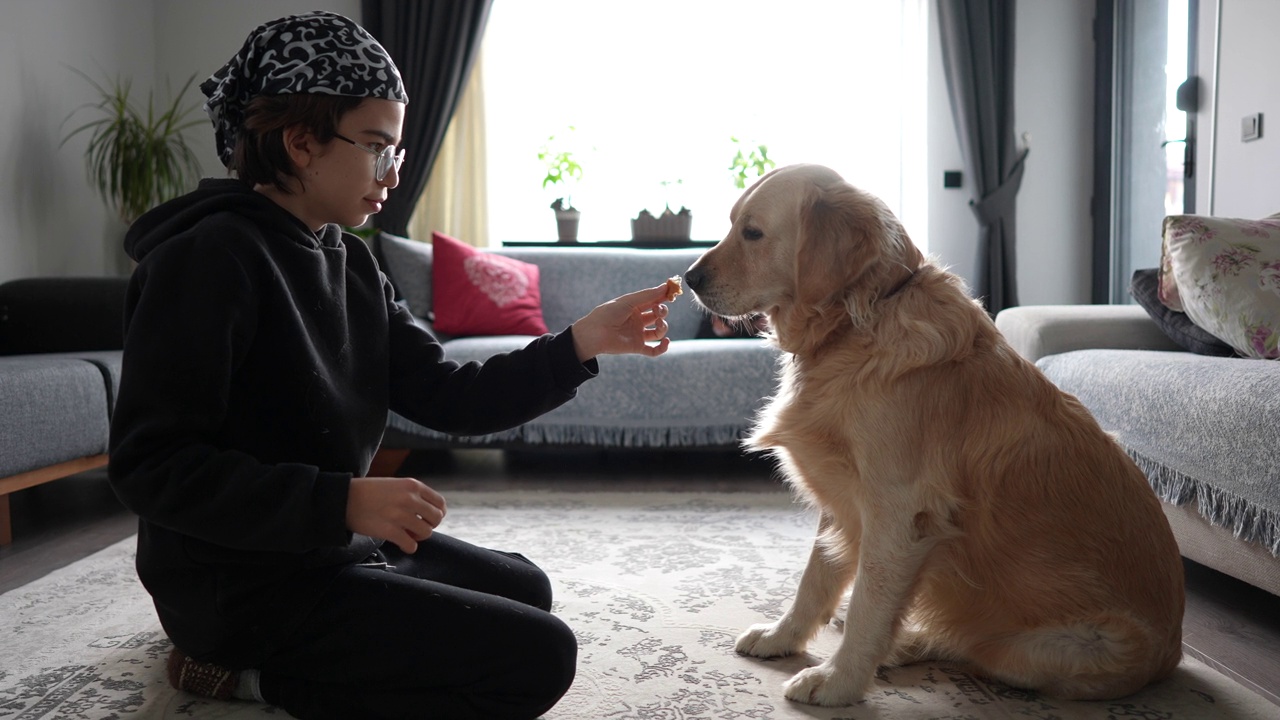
column 805, row 247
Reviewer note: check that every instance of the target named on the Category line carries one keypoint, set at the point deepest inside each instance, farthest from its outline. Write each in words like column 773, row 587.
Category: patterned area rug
column 656, row 585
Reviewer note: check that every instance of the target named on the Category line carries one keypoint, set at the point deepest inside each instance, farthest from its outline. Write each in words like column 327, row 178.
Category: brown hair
column 260, row 157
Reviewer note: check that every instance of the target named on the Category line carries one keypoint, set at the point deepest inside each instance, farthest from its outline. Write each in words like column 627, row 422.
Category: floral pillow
column 483, row 293
column 1224, row 273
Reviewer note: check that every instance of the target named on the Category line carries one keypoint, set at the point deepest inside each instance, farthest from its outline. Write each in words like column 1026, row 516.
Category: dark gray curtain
column 977, row 55
column 434, row 43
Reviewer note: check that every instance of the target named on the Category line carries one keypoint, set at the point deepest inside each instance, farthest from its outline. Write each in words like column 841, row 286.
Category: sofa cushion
column 407, row 263
column 1227, row 272
column 699, row 393
column 1198, row 426
column 1145, row 289
column 108, row 362
column 474, row 292
column 52, row 409
column 576, row 280
column 573, row 279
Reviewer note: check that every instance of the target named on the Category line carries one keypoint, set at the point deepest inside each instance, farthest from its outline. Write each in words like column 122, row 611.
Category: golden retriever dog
column 981, row 514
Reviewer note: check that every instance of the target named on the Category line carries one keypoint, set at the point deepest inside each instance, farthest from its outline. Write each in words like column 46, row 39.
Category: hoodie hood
column 215, row 196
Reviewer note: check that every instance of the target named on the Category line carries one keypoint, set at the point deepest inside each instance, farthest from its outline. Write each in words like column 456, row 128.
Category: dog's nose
column 695, row 278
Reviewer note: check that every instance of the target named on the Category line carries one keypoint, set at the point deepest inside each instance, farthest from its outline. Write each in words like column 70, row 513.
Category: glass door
column 1147, row 92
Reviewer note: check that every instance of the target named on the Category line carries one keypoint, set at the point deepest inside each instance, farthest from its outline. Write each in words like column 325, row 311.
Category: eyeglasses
column 387, row 157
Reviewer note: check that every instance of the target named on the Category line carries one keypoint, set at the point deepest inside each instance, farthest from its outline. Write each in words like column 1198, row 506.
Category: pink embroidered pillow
column 1224, row 273
column 482, row 293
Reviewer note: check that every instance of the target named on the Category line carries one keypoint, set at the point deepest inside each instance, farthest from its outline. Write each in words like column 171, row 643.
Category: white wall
column 1053, row 87
column 1244, row 177
column 223, row 27
column 1054, row 103
column 953, row 231
column 51, row 222
column 1053, row 90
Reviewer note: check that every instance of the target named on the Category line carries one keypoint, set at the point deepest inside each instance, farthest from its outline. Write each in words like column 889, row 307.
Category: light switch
column 1251, row 127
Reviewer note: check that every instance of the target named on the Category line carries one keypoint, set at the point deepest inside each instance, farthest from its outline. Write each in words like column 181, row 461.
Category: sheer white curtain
column 656, row 90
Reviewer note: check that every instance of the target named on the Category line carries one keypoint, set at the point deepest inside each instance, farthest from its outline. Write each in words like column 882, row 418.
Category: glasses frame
column 386, row 157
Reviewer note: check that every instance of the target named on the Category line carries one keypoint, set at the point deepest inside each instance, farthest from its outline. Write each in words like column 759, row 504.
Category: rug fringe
column 1220, row 507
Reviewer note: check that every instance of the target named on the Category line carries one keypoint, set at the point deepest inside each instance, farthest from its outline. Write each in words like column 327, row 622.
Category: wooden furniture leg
column 387, row 461
column 21, row 481
column 6, row 526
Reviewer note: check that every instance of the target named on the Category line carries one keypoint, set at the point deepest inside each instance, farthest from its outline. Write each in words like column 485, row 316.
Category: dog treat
column 674, row 287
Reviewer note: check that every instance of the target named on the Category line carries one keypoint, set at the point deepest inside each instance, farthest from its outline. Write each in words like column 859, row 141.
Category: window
column 1144, row 138
column 655, row 90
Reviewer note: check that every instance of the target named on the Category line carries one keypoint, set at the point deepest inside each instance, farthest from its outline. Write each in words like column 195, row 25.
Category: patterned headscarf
column 315, row 53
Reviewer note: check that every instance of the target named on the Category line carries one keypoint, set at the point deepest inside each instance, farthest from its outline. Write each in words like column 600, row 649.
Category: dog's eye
column 751, row 233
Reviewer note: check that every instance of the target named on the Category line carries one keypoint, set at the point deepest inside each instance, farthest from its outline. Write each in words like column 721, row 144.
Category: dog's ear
column 836, row 246
column 853, row 251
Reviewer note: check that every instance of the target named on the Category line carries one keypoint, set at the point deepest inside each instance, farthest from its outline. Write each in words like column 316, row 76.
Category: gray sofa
column 703, row 393
column 60, row 360
column 60, row 341
column 1202, row 428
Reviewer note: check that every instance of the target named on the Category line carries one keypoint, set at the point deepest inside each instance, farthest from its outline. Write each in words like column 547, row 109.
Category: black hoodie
column 260, row 362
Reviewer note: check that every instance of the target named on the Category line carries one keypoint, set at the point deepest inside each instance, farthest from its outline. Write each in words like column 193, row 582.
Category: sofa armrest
column 1039, row 330
column 62, row 314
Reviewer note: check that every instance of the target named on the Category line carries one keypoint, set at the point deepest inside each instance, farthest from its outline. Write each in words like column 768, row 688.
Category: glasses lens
column 386, row 159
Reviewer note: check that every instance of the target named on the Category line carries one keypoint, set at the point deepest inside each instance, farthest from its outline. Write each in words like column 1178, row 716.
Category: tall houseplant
column 564, row 170
column 137, row 159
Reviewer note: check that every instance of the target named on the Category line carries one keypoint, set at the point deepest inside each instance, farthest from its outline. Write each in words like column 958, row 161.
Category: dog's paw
column 768, row 641
column 824, row 685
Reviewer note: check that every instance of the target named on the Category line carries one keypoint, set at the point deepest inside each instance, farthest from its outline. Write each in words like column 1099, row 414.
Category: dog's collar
column 898, row 288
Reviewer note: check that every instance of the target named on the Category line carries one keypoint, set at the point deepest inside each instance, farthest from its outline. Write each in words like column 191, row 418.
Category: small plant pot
column 567, row 225
column 669, row 227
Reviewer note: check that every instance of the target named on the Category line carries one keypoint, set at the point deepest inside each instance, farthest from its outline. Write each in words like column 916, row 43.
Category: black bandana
column 315, row 53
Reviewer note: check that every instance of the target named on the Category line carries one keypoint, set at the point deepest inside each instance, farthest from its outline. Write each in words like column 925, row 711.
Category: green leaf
column 137, row 160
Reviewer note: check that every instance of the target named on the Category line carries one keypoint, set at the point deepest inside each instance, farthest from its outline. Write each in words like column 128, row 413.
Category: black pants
column 452, row 631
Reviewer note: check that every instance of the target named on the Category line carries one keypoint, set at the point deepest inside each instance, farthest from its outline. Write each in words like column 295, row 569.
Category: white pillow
column 1224, row 273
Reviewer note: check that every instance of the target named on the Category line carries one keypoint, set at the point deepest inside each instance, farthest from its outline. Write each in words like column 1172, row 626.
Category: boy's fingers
column 407, row 544
column 433, row 497
column 656, row 350
column 648, row 296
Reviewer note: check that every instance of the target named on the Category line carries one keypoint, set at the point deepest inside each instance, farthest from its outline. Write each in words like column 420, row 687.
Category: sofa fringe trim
column 597, row 436
column 1220, row 507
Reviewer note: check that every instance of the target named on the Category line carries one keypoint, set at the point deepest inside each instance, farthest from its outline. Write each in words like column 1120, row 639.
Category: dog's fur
column 987, row 517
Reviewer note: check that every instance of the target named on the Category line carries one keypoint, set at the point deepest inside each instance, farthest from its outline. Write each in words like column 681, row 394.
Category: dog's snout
column 695, row 278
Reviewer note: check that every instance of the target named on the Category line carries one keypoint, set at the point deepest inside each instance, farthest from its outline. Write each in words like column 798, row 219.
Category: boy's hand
column 625, row 325
column 401, row 511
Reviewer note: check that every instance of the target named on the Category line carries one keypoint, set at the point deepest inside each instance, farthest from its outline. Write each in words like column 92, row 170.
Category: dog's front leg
column 891, row 555
column 825, row 578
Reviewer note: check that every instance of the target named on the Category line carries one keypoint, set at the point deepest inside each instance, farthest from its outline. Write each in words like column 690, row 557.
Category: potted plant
column 562, row 169
column 137, row 159
column 669, row 228
column 749, row 163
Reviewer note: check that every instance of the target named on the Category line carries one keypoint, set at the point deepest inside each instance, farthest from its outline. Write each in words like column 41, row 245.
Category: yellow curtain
column 454, row 201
